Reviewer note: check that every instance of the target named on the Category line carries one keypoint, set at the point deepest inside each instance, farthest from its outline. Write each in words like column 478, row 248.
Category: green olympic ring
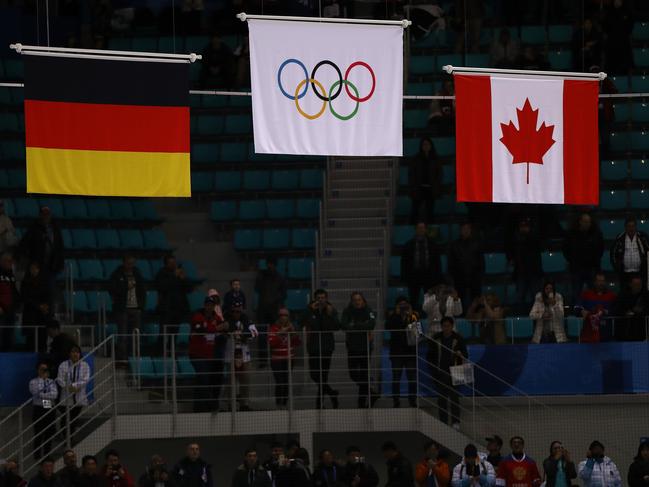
column 331, row 105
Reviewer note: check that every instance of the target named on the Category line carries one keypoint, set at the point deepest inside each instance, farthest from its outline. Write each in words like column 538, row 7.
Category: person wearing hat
column 494, row 445
column 241, row 331
column 43, row 243
column 598, row 470
column 639, row 470
column 206, row 350
column 7, row 231
column 473, row 470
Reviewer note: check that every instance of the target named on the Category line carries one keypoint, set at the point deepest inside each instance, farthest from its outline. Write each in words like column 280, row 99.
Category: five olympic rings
column 334, row 90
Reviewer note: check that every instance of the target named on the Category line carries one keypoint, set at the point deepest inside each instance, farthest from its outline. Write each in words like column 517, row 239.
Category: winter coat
column 9, row 296
column 320, row 327
column 296, row 474
column 35, row 291
column 441, row 471
column 354, row 322
column 364, row 471
column 69, row 477
column 241, row 477
column 37, row 246
column 76, row 375
column 40, row 481
column 408, row 270
column 205, row 341
column 279, row 343
column 172, row 294
column 462, row 479
column 583, row 250
column 596, row 474
column 551, row 467
column 465, row 259
column 431, row 306
column 117, row 481
column 193, row 474
column 397, row 325
column 632, row 311
column 619, row 246
column 119, row 289
column 327, row 476
column 556, row 318
column 438, row 356
column 524, row 251
column 399, row 472
column 271, row 289
column 637, row 471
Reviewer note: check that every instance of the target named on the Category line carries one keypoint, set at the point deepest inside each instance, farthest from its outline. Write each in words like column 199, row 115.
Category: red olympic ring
column 367, row 66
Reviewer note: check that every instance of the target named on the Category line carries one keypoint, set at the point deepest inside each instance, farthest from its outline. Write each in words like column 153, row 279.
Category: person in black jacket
column 70, row 474
column 295, row 472
column 524, row 253
column 9, row 476
column 193, row 471
column 358, row 321
column 327, row 473
column 403, row 326
column 583, row 248
column 270, row 286
column 420, row 264
column 129, row 299
column 9, row 301
column 629, row 253
column 425, row 180
column 559, row 460
column 43, row 243
column 466, row 265
column 250, row 473
column 148, row 477
column 36, row 296
column 446, row 349
column 172, row 286
column 632, row 308
column 158, row 476
column 639, row 470
column 45, row 476
column 358, row 473
column 399, row 468
column 60, row 345
column 89, row 474
column 321, row 321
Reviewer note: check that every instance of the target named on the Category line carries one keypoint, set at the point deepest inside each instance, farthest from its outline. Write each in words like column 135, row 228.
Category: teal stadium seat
column 640, row 84
column 495, row 263
column 205, row 153
column 169, row 44
column 640, row 169
column 415, row 119
column 640, row 112
column 253, row 156
column 190, row 270
column 573, row 326
column 109, row 266
column 256, row 180
column 613, row 170
column 185, row 368
column 420, row 89
column 202, row 182
column 196, row 44
column 612, row 200
column 182, row 337
column 83, row 238
column 308, row 208
column 445, row 59
column 223, row 211
column 108, row 238
column 280, row 209
column 303, row 238
column 196, row 300
column 247, row 239
column 66, row 235
column 560, row 34
column 144, row 209
column 422, row 65
column 121, row 210
column 163, row 367
column 605, row 262
column 96, row 299
column 299, row 268
column 285, row 180
column 445, row 146
column 403, row 176
column 281, row 265
column 75, row 209
column 611, row 229
column 17, row 178
column 640, row 141
column 520, row 328
column 533, row 34
column 4, row 182
column 639, row 199
column 141, row 367
column 131, row 239
column 641, row 57
column 401, row 234
column 54, row 204
column 13, row 150
column 448, row 174
column 620, row 141
column 98, row 209
column 394, row 293
column 145, row 44
column 640, row 31
column 151, row 300
column 622, row 111
column 155, row 239
column 621, row 83
column 14, row 69
column 226, row 181
column 395, row 266
column 233, row 152
column 403, row 206
column 311, row 178
column 252, row 210
column 90, row 270
column 478, row 60
column 410, row 147
column 80, row 302
column 238, row 124
column 210, row 125
column 120, row 43
column 560, row 60
column 297, row 299
column 553, row 262
column 145, row 269
column 150, row 331
column 465, row 328
column 276, row 238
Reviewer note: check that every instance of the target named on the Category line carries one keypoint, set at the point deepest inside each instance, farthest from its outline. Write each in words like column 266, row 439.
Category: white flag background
column 283, row 56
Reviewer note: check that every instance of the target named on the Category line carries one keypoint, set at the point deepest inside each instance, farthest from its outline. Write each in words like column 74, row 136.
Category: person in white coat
column 547, row 312
column 44, row 393
column 440, row 302
column 474, row 470
column 73, row 378
column 598, row 470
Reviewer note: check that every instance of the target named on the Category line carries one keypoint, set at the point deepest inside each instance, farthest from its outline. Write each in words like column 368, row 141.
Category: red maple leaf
column 527, row 144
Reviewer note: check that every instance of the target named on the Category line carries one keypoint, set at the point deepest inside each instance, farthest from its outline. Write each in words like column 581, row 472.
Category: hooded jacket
column 599, row 474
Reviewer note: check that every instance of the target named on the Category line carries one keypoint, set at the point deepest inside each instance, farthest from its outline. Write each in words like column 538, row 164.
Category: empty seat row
column 274, row 239
column 254, row 180
column 102, row 269
column 209, row 153
column 444, row 205
column 634, row 111
column 219, row 124
column 85, row 208
column 157, row 368
column 110, row 238
column 284, row 209
column 637, row 199
column 618, row 170
column 12, row 122
column 629, row 141
column 298, row 268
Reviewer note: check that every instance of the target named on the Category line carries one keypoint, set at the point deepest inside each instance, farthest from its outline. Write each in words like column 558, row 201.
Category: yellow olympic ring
column 297, row 103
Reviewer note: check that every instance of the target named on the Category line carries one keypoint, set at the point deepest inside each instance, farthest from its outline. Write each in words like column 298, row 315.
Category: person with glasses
column 558, row 467
column 44, row 393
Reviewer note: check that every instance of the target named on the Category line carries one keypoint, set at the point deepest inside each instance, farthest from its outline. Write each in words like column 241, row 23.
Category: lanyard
column 73, row 373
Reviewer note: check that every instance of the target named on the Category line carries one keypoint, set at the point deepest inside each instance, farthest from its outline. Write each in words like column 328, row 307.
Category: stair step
column 353, row 242
column 340, row 183
column 355, row 233
column 353, row 253
column 356, row 174
column 358, row 203
column 337, row 283
column 359, row 192
column 364, row 272
column 344, row 212
column 371, row 222
column 363, row 163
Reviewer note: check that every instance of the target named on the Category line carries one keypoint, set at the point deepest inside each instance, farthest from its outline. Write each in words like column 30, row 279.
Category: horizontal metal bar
column 107, row 58
column 20, row 49
column 450, row 69
column 403, row 23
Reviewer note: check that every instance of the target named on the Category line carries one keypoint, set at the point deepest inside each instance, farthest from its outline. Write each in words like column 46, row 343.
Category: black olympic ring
column 340, row 81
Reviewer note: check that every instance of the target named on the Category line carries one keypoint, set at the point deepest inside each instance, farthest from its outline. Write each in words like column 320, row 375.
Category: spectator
column 466, row 264
column 158, row 477
column 43, row 243
column 129, row 299
column 473, row 470
column 586, row 46
column 629, row 253
column 357, row 472
column 320, row 322
column 399, row 468
column 425, row 180
column 44, row 393
column 558, row 467
column 45, row 476
column 327, row 473
column 277, row 457
column 250, row 473
column 70, row 474
column 37, row 304
column 358, row 321
column 494, row 445
column 594, row 305
column 292, row 446
column 234, row 294
column 72, row 378
column 433, row 470
column 531, row 58
column 148, row 478
column 420, row 264
column 115, row 474
column 8, row 237
column 295, row 472
column 271, row 290
column 213, row 293
column 442, row 111
column 284, row 342
column 439, row 302
column 218, row 64
column 504, row 50
column 9, row 300
column 193, row 471
column 172, row 286
column 618, row 25
column 639, row 470
column 242, row 332
column 446, row 350
column 9, row 475
column 490, row 314
column 405, row 330
column 59, row 345
column 89, row 476
column 598, row 470
column 524, row 252
column 632, row 306
column 207, row 346
column 583, row 248
column 547, row 311
column 517, row 469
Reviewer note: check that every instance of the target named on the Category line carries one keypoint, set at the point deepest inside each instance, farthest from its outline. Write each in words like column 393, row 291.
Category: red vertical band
column 580, row 143
column 473, row 138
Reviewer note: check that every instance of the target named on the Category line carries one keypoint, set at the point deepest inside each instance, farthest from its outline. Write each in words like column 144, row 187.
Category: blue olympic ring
column 306, row 77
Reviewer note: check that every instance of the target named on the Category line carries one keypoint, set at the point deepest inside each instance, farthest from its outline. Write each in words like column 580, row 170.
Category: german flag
column 107, row 127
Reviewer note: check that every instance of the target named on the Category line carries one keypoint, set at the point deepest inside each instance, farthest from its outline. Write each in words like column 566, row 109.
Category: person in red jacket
column 283, row 341
column 207, row 353
column 115, row 473
column 517, row 469
column 433, row 470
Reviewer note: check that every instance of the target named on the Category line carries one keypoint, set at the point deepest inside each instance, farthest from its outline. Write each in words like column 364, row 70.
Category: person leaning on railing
column 283, row 341
column 547, row 311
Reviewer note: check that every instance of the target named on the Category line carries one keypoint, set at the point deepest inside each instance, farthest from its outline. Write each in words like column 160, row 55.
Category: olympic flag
column 325, row 88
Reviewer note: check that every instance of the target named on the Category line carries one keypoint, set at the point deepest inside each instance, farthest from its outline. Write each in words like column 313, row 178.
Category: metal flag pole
column 522, row 72
column 104, row 54
column 405, row 23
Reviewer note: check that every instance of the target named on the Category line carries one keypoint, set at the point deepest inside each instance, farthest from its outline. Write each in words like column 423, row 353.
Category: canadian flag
column 526, row 140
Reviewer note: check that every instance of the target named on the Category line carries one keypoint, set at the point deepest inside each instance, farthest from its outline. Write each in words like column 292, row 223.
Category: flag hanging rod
column 523, row 72
column 405, row 23
column 105, row 54
column 405, row 97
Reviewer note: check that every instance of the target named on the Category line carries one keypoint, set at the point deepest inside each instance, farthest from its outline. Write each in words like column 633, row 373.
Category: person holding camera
column 473, row 470
column 558, row 467
column 357, row 472
column 115, row 475
column 598, row 470
column 193, row 471
column 272, row 464
column 405, row 331
column 321, row 321
column 548, row 313
column 44, row 392
column 250, row 473
column 156, row 474
column 294, row 471
column 433, row 470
